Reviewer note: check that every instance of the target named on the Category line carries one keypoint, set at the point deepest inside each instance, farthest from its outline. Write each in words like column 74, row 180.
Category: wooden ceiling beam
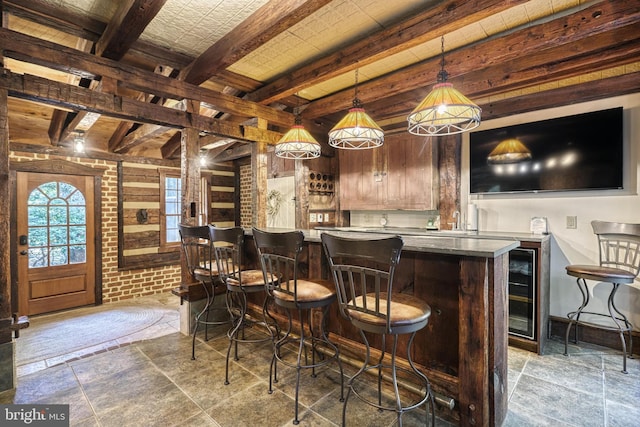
column 41, row 52
column 591, row 21
column 39, row 89
column 584, row 92
column 600, row 53
column 172, row 146
column 125, row 126
column 444, row 17
column 129, row 21
column 236, row 152
column 125, row 27
column 140, row 136
column 267, row 22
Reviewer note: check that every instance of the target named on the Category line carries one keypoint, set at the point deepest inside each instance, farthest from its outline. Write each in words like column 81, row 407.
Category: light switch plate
column 319, row 217
column 572, row 221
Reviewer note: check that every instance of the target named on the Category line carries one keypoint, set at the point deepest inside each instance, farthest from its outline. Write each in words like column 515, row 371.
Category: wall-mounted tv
column 580, row 152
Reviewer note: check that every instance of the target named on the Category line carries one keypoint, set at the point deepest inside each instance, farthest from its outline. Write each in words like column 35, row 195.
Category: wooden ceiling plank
column 443, row 17
column 593, row 20
column 41, row 52
column 55, row 17
column 267, row 22
column 125, row 27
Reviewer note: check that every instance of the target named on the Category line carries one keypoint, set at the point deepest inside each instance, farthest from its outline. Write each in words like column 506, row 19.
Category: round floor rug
column 63, row 333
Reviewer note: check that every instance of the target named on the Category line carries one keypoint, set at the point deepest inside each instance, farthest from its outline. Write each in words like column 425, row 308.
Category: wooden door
column 56, row 242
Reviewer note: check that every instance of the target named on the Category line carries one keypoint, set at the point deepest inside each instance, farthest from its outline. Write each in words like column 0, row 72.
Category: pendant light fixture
column 356, row 131
column 297, row 143
column 444, row 111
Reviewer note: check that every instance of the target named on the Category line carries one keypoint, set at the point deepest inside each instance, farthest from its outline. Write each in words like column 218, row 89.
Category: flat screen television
column 580, row 152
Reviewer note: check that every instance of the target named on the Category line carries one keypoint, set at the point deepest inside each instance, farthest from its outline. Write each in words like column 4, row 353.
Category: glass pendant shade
column 356, row 131
column 297, row 143
column 509, row 151
column 444, row 111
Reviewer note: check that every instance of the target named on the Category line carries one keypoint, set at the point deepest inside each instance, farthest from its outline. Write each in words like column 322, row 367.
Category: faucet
column 456, row 216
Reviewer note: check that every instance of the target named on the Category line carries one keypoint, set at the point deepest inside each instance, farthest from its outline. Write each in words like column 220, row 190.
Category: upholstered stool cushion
column 308, row 291
column 249, row 278
column 405, row 310
column 602, row 274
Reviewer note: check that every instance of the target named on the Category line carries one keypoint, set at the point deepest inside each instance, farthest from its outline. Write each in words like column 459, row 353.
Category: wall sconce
column 203, row 158
column 142, row 216
column 78, row 142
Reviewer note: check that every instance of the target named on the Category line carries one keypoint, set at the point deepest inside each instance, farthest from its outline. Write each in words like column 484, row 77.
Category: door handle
column 23, row 252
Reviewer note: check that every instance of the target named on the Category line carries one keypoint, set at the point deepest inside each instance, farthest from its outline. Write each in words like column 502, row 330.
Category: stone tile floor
column 150, row 380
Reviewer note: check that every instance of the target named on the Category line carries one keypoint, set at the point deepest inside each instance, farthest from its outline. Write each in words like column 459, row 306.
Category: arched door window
column 57, row 225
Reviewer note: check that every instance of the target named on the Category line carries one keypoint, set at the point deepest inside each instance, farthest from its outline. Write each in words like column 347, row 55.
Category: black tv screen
column 580, row 152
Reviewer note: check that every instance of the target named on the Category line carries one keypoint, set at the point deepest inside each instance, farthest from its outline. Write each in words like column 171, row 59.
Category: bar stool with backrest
column 201, row 264
column 228, row 246
column 363, row 272
column 619, row 248
column 279, row 257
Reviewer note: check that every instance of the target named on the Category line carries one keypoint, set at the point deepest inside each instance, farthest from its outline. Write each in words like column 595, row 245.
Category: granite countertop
column 442, row 244
column 409, row 231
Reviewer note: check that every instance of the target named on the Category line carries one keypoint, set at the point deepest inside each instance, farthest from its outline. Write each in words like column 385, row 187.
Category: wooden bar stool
column 198, row 252
column 619, row 248
column 279, row 255
column 228, row 244
column 363, row 271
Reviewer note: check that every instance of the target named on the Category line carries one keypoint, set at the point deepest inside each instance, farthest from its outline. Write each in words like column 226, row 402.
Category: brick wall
column 246, row 178
column 116, row 285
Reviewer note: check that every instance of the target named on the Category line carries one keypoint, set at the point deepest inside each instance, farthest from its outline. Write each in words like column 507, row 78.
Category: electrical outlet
column 572, row 221
column 313, row 217
column 326, row 217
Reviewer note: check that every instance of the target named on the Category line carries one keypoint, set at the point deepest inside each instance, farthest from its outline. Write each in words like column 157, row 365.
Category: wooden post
column 190, row 179
column 6, row 336
column 302, row 194
column 259, row 163
column 449, row 158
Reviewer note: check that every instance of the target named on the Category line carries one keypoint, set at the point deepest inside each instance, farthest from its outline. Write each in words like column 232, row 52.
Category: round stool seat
column 602, row 274
column 407, row 313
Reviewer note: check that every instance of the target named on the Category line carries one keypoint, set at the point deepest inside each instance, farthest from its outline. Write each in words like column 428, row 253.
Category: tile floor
column 150, row 380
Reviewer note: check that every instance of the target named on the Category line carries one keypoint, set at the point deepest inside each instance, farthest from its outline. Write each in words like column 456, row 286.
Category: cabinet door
column 358, row 186
column 412, row 173
column 402, row 174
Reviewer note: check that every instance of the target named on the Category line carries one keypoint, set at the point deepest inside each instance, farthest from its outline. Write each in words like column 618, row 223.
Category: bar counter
column 463, row 349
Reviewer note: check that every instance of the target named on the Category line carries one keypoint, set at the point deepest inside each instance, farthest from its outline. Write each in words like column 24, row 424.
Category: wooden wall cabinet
column 402, row 174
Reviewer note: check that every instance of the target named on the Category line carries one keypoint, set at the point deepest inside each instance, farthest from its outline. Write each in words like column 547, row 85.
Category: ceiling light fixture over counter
column 297, row 143
column 444, row 111
column 356, row 130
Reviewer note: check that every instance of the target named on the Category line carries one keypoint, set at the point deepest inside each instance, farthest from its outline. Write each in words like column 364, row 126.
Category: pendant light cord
column 356, row 101
column 442, row 75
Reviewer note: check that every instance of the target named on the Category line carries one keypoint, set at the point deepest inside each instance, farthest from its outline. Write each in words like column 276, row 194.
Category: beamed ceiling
column 132, row 73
